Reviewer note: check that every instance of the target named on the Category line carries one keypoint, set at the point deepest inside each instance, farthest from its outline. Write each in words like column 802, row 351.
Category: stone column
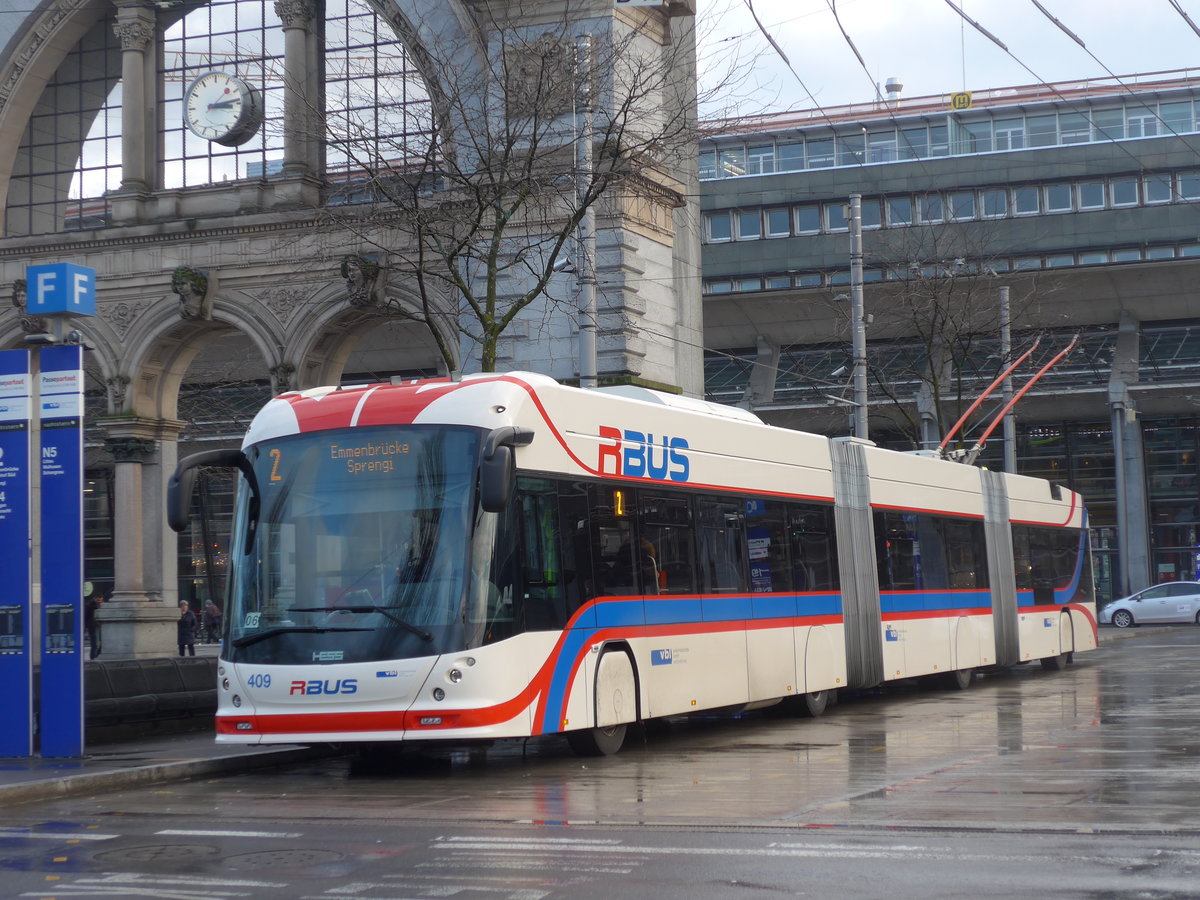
column 298, row 96
column 136, row 622
column 129, row 453
column 134, row 28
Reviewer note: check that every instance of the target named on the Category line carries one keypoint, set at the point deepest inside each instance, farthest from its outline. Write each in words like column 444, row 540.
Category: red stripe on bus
column 312, row 723
column 919, row 509
column 1089, row 617
column 537, row 402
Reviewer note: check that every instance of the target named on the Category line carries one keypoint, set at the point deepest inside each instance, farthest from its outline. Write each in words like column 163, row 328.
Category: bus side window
column 897, row 551
column 667, row 563
column 1022, row 562
column 813, row 547
column 573, row 544
column 612, row 540
column 722, row 545
column 767, row 548
column 541, row 570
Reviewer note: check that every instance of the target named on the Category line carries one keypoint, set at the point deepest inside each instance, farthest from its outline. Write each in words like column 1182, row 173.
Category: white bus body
column 815, row 564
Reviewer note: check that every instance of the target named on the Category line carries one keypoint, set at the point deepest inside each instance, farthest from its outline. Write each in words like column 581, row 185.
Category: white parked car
column 1178, row 601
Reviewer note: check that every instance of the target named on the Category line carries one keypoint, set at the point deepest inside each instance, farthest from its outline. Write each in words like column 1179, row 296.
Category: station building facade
column 230, row 262
column 1082, row 199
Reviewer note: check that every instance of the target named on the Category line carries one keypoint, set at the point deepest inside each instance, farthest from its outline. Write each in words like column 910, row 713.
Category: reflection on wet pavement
column 1111, row 743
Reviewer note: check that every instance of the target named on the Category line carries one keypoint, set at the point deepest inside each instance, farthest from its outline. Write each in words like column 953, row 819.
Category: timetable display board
column 60, row 401
column 16, row 652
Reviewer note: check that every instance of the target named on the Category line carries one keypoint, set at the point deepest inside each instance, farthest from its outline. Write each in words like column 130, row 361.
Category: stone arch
column 33, row 52
column 431, row 38
column 164, row 346
column 320, row 352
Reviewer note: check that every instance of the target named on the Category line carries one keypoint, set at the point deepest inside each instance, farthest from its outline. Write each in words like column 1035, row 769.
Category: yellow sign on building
column 960, row 100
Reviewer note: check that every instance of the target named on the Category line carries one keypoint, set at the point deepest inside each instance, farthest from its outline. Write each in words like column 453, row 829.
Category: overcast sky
column 932, row 50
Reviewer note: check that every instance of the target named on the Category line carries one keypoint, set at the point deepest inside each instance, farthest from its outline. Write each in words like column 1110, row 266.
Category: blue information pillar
column 16, row 650
column 61, row 453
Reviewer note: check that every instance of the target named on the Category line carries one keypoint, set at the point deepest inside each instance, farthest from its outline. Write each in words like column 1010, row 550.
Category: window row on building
column 949, row 135
column 965, row 205
column 955, row 268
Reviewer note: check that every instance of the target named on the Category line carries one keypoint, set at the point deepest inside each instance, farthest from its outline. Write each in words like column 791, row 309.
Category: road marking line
column 55, row 836
column 197, row 832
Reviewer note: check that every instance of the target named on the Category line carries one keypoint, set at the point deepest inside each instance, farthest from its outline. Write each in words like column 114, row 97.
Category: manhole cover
column 281, row 859
column 159, row 853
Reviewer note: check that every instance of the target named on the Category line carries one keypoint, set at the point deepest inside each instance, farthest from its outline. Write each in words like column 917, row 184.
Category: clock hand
column 222, row 104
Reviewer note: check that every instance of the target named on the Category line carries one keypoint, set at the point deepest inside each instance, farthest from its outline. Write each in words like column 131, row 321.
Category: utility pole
column 586, row 240
column 1010, row 423
column 858, row 324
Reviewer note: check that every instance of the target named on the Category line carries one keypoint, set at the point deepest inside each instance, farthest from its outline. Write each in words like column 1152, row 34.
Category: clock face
column 222, row 108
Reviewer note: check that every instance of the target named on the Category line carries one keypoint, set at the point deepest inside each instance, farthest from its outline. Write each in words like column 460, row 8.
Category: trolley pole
column 858, row 324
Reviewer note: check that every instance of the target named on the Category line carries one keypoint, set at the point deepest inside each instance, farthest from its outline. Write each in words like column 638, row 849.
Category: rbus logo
column 313, row 688
column 638, row 455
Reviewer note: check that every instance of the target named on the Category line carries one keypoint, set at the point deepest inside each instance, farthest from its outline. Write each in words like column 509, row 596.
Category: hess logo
column 637, row 455
column 313, row 688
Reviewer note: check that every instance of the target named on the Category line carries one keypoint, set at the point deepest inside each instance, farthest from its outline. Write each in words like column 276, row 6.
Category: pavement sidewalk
column 137, row 761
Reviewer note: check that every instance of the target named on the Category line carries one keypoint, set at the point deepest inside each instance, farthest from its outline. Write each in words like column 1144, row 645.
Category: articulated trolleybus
column 505, row 556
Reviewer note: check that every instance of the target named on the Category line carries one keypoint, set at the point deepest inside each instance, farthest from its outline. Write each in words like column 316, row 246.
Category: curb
column 155, row 773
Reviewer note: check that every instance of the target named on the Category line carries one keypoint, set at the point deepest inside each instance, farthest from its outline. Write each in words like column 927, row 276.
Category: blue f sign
column 60, row 289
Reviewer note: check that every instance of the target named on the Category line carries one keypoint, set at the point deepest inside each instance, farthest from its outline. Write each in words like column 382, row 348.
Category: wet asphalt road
column 1077, row 784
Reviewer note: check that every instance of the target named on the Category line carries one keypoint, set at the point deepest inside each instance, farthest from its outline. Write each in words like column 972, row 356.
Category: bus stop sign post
column 58, row 291
column 16, row 651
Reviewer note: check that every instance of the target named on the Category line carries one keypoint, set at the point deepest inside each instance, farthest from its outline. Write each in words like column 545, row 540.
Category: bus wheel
column 597, row 741
column 813, row 704
column 1055, row 663
column 958, row 680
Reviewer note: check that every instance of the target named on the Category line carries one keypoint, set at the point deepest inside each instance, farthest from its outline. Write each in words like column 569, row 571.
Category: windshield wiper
column 288, row 629
column 382, row 610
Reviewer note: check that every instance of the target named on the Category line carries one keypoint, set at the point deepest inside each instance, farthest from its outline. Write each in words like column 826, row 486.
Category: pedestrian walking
column 212, row 622
column 186, row 630
column 92, row 598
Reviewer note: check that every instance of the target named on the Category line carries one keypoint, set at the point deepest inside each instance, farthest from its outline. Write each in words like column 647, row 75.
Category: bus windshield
column 361, row 548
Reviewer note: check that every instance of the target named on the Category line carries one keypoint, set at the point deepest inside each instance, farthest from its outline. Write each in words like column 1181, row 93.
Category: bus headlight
column 224, row 684
column 237, row 700
column 455, row 676
column 439, row 694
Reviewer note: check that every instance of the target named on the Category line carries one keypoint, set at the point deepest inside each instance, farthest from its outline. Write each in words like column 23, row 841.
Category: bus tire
column 813, row 704
column 597, row 741
column 1054, row 663
column 958, row 680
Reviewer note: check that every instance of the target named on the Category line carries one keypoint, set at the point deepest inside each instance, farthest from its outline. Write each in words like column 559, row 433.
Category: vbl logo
column 312, row 688
column 638, row 455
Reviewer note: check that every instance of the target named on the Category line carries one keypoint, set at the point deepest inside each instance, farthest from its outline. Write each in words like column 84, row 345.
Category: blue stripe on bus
column 932, row 601
column 672, row 610
column 773, row 606
column 634, row 611
column 620, row 613
column 726, row 609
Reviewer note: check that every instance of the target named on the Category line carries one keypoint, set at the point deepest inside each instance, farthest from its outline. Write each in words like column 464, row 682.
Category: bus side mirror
column 496, row 466
column 496, row 480
column 183, row 483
